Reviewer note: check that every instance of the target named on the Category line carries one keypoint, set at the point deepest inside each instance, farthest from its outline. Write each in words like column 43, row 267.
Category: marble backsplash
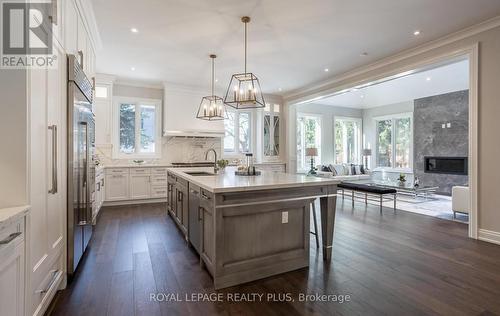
column 174, row 149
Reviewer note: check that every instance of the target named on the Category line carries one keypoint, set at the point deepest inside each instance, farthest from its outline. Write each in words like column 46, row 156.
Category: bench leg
column 352, row 195
column 366, row 198
column 395, row 197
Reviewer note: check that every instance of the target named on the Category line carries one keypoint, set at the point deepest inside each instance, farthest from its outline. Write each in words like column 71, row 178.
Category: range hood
column 180, row 105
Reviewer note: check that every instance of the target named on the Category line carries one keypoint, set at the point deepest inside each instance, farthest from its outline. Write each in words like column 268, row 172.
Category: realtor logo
column 26, row 35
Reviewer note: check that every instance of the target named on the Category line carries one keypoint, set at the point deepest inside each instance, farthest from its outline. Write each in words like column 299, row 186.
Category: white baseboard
column 130, row 202
column 489, row 236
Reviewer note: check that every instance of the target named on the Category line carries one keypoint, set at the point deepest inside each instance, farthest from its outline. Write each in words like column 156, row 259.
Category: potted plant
column 402, row 179
column 222, row 164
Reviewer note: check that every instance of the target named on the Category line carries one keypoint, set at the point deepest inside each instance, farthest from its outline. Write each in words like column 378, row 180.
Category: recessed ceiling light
column 326, row 69
column 132, row 68
column 416, row 33
column 216, row 80
column 279, row 89
column 428, row 78
column 134, row 30
column 361, row 96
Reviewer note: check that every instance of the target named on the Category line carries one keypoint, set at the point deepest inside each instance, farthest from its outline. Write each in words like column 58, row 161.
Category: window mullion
column 137, row 128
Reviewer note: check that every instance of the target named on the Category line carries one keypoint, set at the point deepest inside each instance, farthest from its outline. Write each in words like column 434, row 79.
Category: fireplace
column 446, row 165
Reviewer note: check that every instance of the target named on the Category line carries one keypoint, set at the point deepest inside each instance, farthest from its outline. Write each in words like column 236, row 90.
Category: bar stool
column 315, row 233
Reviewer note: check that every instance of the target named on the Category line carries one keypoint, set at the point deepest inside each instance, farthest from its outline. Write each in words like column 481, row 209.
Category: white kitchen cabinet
column 117, row 186
column 140, row 186
column 47, row 105
column 12, row 269
column 99, row 194
column 126, row 185
column 70, row 27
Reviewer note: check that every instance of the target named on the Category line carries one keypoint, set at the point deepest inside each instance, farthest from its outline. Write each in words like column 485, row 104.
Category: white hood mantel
column 179, row 113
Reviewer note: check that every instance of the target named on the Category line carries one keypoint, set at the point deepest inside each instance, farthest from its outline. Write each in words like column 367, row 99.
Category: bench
column 382, row 193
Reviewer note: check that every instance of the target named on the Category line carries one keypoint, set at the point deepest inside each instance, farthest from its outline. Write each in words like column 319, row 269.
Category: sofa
column 460, row 200
column 343, row 172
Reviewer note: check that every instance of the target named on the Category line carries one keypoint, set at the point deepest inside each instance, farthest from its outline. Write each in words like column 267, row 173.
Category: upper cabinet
column 179, row 115
column 78, row 39
column 71, row 27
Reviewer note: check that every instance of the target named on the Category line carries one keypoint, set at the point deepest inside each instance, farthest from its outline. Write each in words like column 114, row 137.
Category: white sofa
column 342, row 176
column 460, row 197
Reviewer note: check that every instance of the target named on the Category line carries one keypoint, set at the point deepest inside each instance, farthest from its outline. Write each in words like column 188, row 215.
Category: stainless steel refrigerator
column 81, row 167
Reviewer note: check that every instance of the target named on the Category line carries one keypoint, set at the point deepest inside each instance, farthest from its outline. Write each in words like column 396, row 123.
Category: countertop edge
column 9, row 215
column 194, row 180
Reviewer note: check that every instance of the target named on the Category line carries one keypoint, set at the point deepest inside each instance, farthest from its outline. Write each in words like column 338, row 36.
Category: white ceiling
column 440, row 80
column 290, row 41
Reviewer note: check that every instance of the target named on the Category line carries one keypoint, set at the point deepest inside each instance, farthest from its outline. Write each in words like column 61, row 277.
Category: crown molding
column 138, row 83
column 87, row 12
column 104, row 78
column 418, row 50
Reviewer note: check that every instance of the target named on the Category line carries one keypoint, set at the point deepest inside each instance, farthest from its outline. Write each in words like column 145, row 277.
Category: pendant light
column 244, row 90
column 212, row 107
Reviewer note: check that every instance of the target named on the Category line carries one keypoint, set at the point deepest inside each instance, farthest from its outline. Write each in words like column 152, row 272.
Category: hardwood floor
column 403, row 264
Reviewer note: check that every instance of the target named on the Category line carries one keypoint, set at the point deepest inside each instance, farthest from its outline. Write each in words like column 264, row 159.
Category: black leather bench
column 372, row 189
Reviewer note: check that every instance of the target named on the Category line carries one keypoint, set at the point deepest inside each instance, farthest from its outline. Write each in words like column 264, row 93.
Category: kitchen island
column 250, row 227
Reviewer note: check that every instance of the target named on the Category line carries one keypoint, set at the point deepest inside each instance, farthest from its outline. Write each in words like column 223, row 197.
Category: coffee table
column 407, row 188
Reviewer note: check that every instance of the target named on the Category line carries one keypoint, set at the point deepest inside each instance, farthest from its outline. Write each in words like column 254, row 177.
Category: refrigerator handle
column 53, row 128
column 84, row 205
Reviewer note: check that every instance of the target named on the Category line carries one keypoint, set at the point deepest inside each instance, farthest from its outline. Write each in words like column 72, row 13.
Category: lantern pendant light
column 244, row 90
column 212, row 107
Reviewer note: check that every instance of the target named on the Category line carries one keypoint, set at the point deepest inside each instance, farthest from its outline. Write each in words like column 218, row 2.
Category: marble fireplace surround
column 441, row 129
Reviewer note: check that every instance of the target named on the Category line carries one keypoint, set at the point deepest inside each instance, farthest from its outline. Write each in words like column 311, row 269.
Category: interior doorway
column 430, row 141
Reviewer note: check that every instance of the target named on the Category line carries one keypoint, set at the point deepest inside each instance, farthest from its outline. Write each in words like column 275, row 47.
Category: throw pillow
column 339, row 170
column 358, row 169
column 332, row 168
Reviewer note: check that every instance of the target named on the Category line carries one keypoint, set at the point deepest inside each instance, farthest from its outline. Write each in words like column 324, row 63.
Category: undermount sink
column 199, row 173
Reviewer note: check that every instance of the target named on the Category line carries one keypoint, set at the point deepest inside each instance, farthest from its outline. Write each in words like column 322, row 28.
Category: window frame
column 318, row 158
column 272, row 113
column 235, row 152
column 137, row 102
column 393, row 118
column 358, row 120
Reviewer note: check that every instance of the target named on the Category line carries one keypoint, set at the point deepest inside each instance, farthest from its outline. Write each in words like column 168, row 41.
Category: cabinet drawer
column 12, row 234
column 159, row 179
column 45, row 288
column 159, row 171
column 116, row 171
column 158, row 191
column 140, row 171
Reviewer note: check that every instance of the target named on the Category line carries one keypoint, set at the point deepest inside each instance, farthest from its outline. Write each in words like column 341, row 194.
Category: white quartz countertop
column 11, row 214
column 227, row 181
column 136, row 165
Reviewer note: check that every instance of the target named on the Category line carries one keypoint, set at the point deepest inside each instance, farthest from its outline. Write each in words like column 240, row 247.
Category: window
column 271, row 131
column 137, row 128
column 394, row 142
column 347, row 140
column 308, row 135
column 237, row 137
column 101, row 91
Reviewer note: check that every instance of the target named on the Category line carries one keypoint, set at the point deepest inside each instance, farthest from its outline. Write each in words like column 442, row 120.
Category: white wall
column 369, row 137
column 328, row 114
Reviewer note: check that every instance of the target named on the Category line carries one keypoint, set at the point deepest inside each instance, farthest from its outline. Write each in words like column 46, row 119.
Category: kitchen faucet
column 215, row 158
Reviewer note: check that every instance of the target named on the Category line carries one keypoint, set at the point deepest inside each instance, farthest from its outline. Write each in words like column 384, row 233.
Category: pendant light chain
column 213, row 75
column 246, row 47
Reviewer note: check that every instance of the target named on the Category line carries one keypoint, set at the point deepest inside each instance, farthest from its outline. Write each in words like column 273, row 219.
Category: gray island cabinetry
column 248, row 228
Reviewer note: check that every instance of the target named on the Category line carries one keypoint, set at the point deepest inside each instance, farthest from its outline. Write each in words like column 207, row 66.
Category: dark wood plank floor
column 403, row 264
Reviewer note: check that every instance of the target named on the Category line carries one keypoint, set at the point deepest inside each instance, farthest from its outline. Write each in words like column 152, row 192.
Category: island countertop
column 227, row 181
